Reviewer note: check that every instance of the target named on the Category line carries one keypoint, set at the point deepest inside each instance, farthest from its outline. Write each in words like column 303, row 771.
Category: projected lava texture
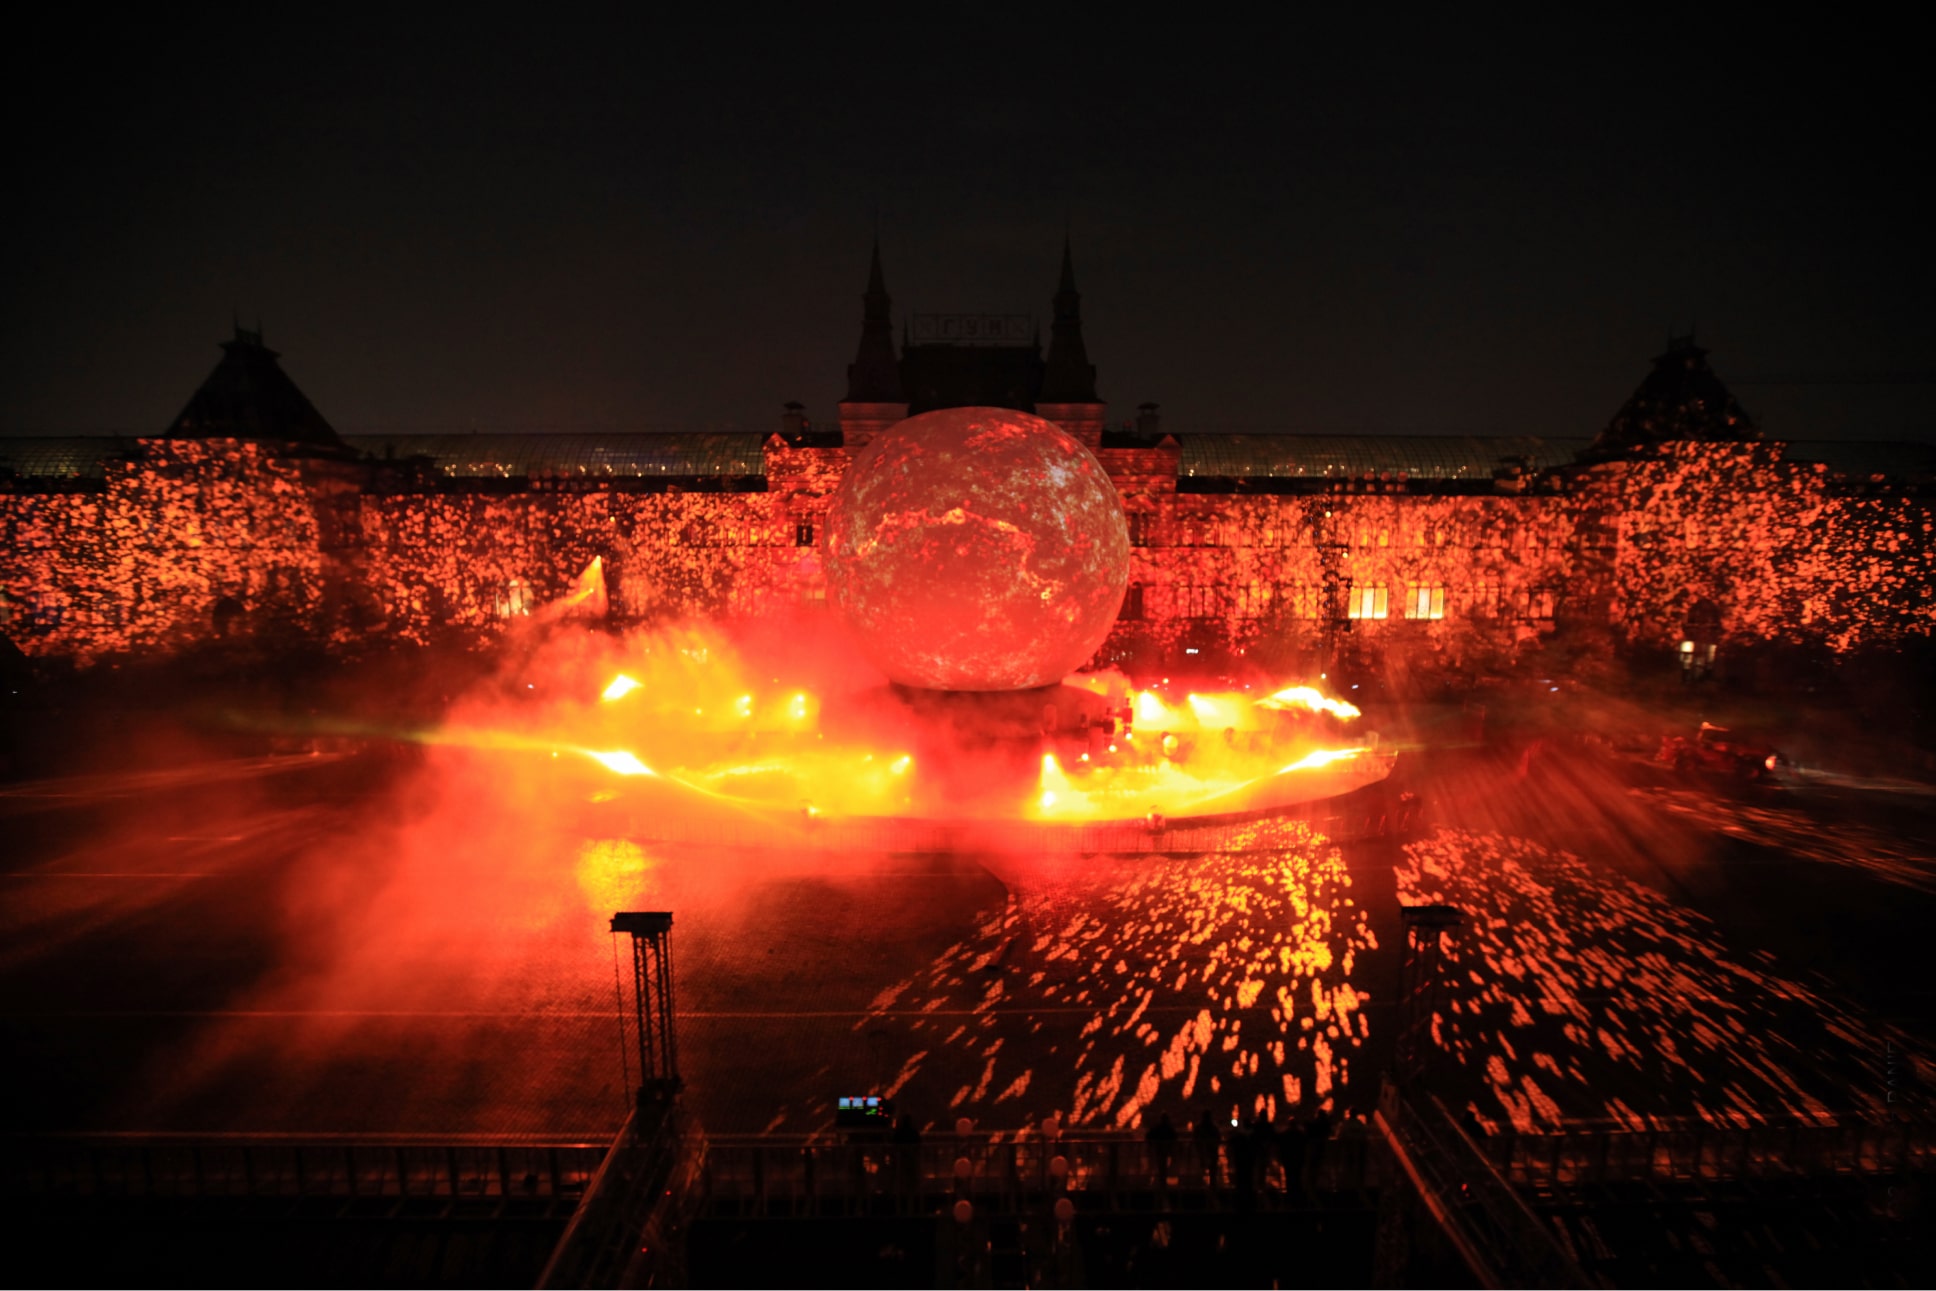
column 978, row 549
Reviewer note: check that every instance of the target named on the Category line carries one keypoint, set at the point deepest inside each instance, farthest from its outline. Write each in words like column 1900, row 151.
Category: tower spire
column 875, row 375
column 1068, row 396
column 1068, row 376
column 874, row 400
column 876, row 280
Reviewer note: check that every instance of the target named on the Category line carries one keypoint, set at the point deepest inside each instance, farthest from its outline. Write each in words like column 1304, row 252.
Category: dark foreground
column 267, row 951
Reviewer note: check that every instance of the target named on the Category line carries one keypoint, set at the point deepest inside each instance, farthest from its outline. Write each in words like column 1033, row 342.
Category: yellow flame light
column 1320, row 758
column 1311, row 699
column 621, row 686
column 1215, row 711
column 620, row 761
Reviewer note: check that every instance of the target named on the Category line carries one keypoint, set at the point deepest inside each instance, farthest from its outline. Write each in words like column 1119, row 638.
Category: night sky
column 551, row 223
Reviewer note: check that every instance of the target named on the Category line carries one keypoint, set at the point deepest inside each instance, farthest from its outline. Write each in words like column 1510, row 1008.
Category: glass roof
column 1859, row 459
column 598, row 455
column 61, row 457
column 1421, row 457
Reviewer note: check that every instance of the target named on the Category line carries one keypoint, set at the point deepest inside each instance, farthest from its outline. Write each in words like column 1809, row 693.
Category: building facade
column 1679, row 529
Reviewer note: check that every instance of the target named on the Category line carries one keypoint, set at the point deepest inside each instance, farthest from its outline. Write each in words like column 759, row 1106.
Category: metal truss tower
column 658, row 1047
column 1421, row 985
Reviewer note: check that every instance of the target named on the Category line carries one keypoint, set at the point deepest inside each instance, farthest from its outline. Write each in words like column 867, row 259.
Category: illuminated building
column 1441, row 558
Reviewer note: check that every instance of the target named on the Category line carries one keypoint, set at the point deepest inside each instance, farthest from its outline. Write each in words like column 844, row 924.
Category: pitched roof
column 249, row 396
column 1680, row 399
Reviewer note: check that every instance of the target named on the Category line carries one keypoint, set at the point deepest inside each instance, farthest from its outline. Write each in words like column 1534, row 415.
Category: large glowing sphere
column 977, row 549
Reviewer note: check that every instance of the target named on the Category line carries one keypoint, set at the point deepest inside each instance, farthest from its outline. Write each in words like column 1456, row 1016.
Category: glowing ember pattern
column 977, row 549
column 306, row 548
column 1569, row 982
column 1219, row 980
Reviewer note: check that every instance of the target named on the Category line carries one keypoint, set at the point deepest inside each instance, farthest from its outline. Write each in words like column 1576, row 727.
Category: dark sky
column 556, row 223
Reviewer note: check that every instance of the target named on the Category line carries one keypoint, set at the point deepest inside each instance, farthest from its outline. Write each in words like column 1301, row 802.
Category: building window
column 1367, row 602
column 635, row 597
column 516, row 599
column 1424, row 601
column 803, row 532
column 1485, row 598
column 1196, row 601
column 1139, row 528
column 1536, row 604
column 1300, row 600
column 1133, row 604
column 1253, row 600
column 747, row 599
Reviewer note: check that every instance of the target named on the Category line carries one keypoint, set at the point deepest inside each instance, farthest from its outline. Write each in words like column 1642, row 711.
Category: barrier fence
column 1096, row 1172
column 1106, row 1168
column 1711, row 1152
column 55, row 1168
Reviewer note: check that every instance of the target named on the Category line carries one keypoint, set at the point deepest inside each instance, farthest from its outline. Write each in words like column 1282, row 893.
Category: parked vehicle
column 1717, row 751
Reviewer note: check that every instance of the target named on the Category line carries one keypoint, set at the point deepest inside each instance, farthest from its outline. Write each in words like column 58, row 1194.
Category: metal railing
column 636, row 1207
column 148, row 1168
column 1501, row 1240
column 1097, row 1172
column 1712, row 1152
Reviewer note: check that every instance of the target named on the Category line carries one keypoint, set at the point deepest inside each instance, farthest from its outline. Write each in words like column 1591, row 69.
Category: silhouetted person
column 1291, row 1141
column 1161, row 1137
column 1207, row 1137
column 1470, row 1120
column 1318, row 1134
column 907, row 1152
column 1354, row 1134
column 1243, row 1163
column 1265, row 1136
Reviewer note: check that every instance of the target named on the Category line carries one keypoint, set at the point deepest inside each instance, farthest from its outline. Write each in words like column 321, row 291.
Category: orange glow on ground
column 700, row 725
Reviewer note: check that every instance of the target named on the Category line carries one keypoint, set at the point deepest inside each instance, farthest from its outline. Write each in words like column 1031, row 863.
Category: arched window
column 1368, row 601
column 1424, row 600
column 516, row 599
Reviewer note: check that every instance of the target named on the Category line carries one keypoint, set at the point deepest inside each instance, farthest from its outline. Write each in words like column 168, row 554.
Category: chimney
column 793, row 420
column 1148, row 421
